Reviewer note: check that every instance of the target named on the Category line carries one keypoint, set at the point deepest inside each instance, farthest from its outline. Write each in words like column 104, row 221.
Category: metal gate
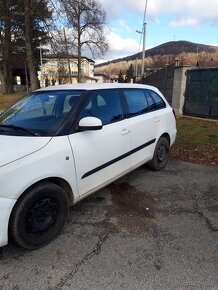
column 201, row 95
column 162, row 79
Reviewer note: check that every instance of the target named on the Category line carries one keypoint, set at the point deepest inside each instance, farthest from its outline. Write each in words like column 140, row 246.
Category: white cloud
column 123, row 24
column 200, row 10
column 189, row 13
column 119, row 47
column 184, row 22
column 114, row 7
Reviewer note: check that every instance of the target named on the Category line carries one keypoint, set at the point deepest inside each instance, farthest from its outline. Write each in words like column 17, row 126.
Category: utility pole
column 143, row 51
column 68, row 59
column 136, row 69
column 41, row 62
column 143, row 32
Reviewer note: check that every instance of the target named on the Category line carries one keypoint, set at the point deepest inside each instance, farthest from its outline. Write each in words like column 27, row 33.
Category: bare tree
column 29, row 45
column 6, row 46
column 86, row 20
column 37, row 23
column 21, row 23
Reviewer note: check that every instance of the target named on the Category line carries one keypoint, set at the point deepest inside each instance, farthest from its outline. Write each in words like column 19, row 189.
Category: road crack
column 94, row 251
column 206, row 219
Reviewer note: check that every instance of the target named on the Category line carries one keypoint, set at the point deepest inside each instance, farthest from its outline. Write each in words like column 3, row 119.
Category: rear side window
column 136, row 101
column 150, row 100
column 159, row 103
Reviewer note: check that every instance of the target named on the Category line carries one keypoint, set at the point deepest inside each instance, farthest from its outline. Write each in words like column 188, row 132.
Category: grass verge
column 197, row 141
column 7, row 100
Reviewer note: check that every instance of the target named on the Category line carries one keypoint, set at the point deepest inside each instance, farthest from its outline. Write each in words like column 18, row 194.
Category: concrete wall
column 179, row 85
column 171, row 81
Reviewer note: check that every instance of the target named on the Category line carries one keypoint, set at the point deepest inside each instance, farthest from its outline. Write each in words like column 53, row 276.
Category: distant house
column 55, row 69
column 102, row 78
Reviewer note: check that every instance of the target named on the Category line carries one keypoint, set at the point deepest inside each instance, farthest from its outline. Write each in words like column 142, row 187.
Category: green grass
column 7, row 100
column 197, row 140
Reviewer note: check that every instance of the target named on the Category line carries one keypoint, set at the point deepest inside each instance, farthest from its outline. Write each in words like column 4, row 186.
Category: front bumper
column 6, row 206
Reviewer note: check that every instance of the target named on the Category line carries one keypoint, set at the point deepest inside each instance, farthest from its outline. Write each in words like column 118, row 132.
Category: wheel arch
column 167, row 136
column 64, row 185
column 57, row 181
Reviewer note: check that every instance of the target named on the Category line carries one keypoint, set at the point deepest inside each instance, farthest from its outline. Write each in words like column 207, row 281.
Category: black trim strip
column 89, row 128
column 117, row 159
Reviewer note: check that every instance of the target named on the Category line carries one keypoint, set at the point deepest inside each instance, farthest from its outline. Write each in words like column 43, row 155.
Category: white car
column 61, row 143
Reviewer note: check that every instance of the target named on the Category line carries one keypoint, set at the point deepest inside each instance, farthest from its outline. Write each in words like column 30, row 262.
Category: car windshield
column 39, row 113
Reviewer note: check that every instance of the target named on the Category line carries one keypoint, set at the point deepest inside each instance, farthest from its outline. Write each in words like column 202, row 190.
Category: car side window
column 105, row 105
column 159, row 103
column 70, row 101
column 136, row 101
column 151, row 103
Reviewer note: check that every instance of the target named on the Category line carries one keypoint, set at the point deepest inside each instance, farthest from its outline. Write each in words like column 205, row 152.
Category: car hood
column 13, row 148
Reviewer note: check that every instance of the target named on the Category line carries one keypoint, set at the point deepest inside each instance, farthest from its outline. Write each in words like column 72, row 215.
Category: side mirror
column 90, row 123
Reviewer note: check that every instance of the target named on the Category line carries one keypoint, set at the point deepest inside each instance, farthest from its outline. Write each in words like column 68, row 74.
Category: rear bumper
column 6, row 206
column 173, row 137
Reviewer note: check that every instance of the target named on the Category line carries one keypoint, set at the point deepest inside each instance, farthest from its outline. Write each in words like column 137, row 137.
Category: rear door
column 100, row 155
column 144, row 124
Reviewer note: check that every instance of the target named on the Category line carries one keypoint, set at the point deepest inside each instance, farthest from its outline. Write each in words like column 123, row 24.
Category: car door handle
column 125, row 132
column 156, row 119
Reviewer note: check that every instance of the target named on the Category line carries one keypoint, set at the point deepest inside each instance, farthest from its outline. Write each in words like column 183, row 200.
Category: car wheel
column 161, row 155
column 39, row 215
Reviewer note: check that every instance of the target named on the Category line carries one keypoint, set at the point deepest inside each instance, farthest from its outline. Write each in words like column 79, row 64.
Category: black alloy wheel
column 39, row 215
column 161, row 155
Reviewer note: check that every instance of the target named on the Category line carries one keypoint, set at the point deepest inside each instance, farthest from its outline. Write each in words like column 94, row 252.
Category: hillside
column 168, row 48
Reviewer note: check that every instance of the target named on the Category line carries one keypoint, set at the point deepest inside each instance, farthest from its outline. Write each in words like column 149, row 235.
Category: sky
column 167, row 20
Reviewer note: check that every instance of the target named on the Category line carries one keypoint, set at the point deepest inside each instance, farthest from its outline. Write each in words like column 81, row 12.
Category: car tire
column 39, row 215
column 161, row 155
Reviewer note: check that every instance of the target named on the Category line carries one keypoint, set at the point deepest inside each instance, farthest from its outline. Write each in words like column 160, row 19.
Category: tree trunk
column 6, row 79
column 79, row 48
column 68, row 59
column 29, row 47
column 79, row 62
column 6, row 72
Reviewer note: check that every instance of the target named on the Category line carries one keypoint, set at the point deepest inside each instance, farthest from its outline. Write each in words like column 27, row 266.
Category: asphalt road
column 148, row 230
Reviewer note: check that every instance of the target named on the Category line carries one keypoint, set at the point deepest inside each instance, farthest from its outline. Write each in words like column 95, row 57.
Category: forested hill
column 168, row 48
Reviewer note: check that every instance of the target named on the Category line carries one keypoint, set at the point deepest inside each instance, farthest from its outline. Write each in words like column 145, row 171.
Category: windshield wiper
column 18, row 128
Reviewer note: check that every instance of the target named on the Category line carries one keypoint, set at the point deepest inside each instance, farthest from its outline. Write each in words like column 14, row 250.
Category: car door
column 100, row 154
column 144, row 124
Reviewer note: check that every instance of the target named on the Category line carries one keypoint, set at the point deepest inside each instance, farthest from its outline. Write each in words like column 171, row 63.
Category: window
column 70, row 101
column 159, row 103
column 151, row 103
column 36, row 106
column 105, row 105
column 136, row 102
column 41, row 112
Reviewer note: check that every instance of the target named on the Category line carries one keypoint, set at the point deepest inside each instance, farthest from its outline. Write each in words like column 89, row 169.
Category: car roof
column 98, row 86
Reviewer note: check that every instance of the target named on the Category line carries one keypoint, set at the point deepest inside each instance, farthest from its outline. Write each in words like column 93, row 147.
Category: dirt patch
column 132, row 210
column 194, row 156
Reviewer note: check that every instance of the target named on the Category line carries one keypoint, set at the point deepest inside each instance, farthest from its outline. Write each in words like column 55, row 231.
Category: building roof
column 63, row 56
